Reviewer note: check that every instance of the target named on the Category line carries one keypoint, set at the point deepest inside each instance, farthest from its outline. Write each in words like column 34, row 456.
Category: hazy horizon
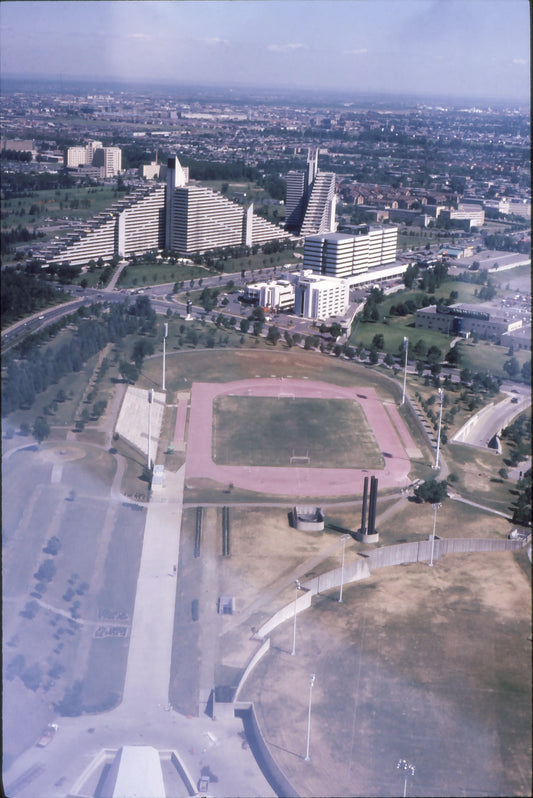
column 449, row 49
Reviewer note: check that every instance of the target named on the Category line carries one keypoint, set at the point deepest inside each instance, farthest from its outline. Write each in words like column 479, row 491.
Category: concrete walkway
column 150, row 651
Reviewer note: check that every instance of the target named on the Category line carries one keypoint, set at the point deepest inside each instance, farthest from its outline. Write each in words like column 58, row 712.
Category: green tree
column 128, row 372
column 410, row 275
column 512, row 367
column 373, row 356
column 432, row 491
column 41, row 429
column 378, row 341
column 46, row 571
column 273, row 335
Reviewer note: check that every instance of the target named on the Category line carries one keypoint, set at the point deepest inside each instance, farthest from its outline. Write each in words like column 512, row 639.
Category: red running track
column 296, row 481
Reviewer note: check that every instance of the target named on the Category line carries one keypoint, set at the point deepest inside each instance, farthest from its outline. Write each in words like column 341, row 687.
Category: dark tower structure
column 369, row 533
column 363, row 512
column 372, row 506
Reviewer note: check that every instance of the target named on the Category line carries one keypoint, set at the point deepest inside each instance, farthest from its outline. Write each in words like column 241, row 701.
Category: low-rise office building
column 462, row 319
column 317, row 297
column 277, row 295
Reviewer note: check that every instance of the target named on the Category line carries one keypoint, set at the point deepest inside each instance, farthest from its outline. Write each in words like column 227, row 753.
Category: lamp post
column 297, row 588
column 165, row 333
column 435, row 508
column 441, row 397
column 344, row 538
column 311, row 683
column 150, row 400
column 405, row 348
column 407, row 768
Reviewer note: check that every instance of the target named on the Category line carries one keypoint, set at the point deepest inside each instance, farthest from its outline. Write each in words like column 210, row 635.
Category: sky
column 448, row 48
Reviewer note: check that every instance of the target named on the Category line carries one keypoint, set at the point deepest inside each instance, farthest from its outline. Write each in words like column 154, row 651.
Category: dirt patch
column 415, row 664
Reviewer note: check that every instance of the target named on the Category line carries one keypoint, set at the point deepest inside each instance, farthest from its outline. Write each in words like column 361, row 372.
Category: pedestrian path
column 149, row 659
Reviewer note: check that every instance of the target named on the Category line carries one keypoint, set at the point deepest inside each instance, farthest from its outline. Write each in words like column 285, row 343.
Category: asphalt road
column 483, row 426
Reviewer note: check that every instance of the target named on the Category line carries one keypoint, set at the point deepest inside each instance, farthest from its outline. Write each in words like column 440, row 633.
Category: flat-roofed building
column 344, row 255
column 275, row 294
column 318, row 297
column 462, row 319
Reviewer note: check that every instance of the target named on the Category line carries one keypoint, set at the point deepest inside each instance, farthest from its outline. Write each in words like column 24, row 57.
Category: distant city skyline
column 441, row 48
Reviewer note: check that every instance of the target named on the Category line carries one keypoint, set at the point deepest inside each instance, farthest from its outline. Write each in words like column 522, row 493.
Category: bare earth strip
column 293, row 480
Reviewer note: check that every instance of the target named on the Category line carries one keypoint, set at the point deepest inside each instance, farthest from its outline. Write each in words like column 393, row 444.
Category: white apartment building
column 310, row 199
column 198, row 219
column 184, row 218
column 107, row 159
column 343, row 255
column 318, row 297
column 134, row 224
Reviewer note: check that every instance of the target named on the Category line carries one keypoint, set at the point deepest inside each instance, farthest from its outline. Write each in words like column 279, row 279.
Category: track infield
column 296, row 480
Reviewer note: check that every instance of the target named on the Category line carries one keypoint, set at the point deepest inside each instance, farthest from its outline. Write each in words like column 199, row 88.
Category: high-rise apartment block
column 198, row 218
column 345, row 255
column 310, row 199
column 107, row 159
column 181, row 217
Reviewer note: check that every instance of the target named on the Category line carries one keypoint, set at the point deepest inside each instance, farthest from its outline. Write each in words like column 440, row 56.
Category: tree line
column 41, row 367
column 22, row 294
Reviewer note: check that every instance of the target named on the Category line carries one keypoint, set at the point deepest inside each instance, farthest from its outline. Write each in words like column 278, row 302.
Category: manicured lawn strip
column 142, row 274
column 477, row 476
column 484, row 356
column 267, row 431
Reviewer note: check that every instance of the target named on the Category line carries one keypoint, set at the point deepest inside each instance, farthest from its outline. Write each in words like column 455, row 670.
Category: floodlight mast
column 150, row 400
column 165, row 333
column 344, row 538
column 297, row 588
column 406, row 349
column 407, row 768
column 441, row 397
column 311, row 683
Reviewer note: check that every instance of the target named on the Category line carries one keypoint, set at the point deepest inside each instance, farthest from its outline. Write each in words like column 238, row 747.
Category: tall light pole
column 165, row 333
column 435, row 508
column 344, row 538
column 441, row 397
column 150, row 400
column 408, row 769
column 296, row 589
column 405, row 349
column 311, row 683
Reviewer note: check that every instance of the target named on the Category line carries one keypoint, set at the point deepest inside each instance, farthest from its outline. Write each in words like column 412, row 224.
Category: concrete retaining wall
column 184, row 773
column 277, row 778
column 286, row 612
column 353, row 571
column 251, row 665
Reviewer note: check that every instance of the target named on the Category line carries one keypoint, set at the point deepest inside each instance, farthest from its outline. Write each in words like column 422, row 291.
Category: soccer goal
column 300, row 457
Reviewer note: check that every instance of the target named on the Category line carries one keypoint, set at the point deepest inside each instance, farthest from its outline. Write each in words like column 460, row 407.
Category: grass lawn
column 485, row 356
column 416, row 663
column 394, row 328
column 158, row 273
column 266, row 431
column 56, row 204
